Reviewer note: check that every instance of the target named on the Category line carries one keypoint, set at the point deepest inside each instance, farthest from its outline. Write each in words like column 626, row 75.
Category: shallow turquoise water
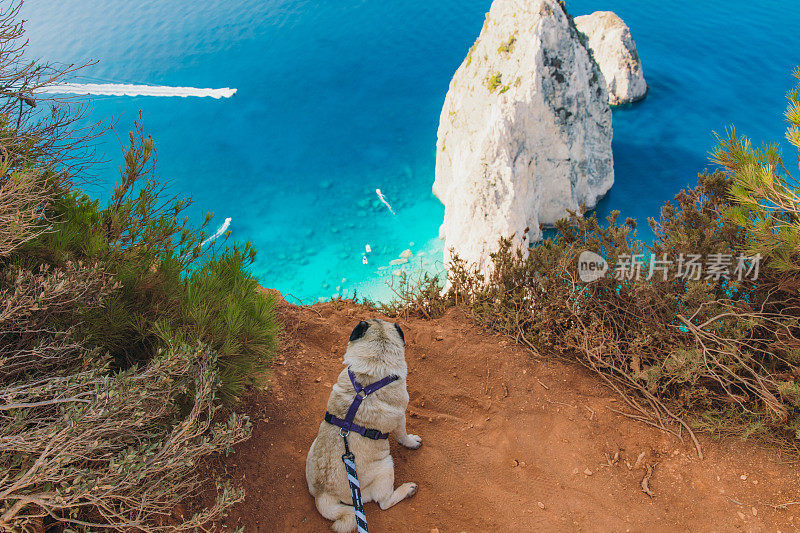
column 337, row 99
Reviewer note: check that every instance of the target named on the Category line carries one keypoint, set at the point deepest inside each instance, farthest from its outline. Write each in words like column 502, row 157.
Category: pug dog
column 376, row 350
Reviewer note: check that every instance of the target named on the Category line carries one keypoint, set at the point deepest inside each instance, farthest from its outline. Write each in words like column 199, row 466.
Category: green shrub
column 680, row 344
column 766, row 202
column 171, row 288
column 508, row 46
column 227, row 311
column 493, row 82
column 98, row 308
column 119, row 329
column 416, row 294
column 469, row 54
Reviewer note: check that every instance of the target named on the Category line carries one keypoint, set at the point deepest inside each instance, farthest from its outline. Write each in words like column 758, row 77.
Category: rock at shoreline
column 525, row 131
column 610, row 41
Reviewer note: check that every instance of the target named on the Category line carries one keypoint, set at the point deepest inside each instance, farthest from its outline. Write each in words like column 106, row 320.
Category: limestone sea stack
column 609, row 39
column 525, row 131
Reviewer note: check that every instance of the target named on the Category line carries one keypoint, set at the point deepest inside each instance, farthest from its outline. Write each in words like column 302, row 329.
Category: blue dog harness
column 345, row 427
column 361, row 392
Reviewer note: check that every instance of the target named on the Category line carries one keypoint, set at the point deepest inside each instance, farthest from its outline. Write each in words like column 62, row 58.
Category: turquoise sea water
column 337, row 99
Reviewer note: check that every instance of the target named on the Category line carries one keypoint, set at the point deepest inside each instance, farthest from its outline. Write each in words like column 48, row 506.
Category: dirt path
column 509, row 444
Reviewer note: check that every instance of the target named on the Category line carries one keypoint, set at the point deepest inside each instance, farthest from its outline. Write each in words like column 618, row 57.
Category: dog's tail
column 343, row 516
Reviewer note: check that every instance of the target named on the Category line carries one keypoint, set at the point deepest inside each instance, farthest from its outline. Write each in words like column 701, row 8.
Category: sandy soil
column 510, row 443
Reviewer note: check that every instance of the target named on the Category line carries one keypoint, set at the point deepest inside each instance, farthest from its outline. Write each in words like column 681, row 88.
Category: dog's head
column 377, row 347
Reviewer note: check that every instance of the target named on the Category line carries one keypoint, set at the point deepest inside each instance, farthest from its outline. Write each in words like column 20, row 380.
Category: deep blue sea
column 337, row 99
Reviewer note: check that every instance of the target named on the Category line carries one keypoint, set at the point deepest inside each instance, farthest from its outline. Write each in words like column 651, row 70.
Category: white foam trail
column 121, row 89
column 219, row 233
column 383, row 199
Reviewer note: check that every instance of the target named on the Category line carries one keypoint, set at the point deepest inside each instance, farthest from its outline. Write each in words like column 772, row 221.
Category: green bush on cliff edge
column 120, row 329
column 172, row 289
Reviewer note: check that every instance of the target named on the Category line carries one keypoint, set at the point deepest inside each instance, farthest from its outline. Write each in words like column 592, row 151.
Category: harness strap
column 361, row 392
column 372, row 387
column 347, row 425
column 369, row 433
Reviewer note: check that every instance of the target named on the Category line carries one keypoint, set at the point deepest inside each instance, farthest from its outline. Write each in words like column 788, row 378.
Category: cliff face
column 613, row 48
column 525, row 131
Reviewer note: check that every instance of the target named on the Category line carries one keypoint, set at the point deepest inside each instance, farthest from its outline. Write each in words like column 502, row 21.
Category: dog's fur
column 376, row 350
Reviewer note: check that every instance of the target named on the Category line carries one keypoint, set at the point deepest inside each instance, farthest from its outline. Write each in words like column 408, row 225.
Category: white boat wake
column 382, row 198
column 219, row 233
column 122, row 89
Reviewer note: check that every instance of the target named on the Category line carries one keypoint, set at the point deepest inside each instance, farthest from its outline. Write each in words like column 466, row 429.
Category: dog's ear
column 359, row 331
column 400, row 332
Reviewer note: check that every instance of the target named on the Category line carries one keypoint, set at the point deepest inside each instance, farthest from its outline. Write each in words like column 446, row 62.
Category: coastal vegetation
column 718, row 353
column 127, row 333
column 493, row 82
column 124, row 330
column 508, row 46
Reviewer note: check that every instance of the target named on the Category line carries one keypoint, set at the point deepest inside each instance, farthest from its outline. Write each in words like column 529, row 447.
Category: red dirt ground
column 510, row 443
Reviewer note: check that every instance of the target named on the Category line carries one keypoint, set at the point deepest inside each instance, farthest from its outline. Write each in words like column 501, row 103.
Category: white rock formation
column 614, row 50
column 525, row 131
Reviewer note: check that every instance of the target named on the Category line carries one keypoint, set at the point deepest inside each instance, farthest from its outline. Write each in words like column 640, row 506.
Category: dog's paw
column 412, row 441
column 411, row 489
